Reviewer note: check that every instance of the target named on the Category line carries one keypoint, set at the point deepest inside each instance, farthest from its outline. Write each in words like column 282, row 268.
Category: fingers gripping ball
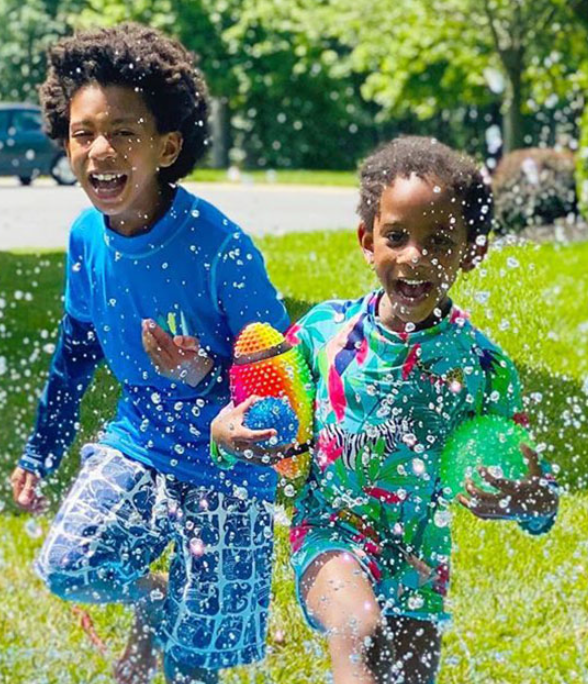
column 265, row 365
column 272, row 412
column 490, row 441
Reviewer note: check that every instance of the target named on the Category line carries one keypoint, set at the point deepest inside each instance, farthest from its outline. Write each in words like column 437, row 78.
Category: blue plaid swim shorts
column 120, row 516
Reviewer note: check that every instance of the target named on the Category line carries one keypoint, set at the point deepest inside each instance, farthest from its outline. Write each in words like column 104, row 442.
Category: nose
column 411, row 254
column 101, row 148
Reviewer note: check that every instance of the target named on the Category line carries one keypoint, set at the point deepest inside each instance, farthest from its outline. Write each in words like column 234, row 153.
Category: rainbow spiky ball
column 264, row 364
column 276, row 413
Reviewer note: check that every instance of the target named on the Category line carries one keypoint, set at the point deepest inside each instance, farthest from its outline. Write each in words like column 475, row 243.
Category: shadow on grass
column 558, row 409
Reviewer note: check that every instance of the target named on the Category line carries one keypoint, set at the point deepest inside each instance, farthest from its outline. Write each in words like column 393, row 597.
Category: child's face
column 417, row 246
column 115, row 151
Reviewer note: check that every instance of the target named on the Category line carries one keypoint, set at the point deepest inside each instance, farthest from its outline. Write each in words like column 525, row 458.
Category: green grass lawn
column 520, row 603
column 281, row 177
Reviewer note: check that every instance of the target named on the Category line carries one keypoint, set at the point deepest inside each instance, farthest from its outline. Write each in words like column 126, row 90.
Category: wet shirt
column 196, row 273
column 385, row 406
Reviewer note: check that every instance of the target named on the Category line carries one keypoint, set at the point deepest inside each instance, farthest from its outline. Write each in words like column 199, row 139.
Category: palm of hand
column 178, row 358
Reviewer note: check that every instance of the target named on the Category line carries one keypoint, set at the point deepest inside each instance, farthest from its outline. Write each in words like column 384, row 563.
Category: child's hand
column 178, row 358
column 229, row 433
column 25, row 492
column 515, row 498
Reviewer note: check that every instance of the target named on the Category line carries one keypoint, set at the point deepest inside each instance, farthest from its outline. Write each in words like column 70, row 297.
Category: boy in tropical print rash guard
column 396, row 372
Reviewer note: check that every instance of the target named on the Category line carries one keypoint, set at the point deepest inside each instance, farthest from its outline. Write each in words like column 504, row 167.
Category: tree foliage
column 425, row 56
column 26, row 30
column 317, row 83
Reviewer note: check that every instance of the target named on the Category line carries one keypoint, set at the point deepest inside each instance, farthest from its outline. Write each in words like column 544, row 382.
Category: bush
column 533, row 186
column 582, row 166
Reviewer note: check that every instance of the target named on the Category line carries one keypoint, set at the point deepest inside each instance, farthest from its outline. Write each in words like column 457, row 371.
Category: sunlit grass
column 280, row 177
column 521, row 614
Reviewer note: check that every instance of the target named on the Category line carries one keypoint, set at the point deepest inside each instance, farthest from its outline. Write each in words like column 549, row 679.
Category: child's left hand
column 178, row 358
column 517, row 499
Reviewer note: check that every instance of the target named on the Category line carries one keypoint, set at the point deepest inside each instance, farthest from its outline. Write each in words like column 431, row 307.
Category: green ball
column 491, row 441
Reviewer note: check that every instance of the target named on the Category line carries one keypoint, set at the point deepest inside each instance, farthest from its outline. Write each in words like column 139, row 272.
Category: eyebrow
column 114, row 122
column 393, row 224
column 126, row 120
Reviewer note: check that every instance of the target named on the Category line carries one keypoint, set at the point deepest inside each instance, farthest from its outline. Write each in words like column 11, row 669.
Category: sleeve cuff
column 39, row 466
column 220, row 457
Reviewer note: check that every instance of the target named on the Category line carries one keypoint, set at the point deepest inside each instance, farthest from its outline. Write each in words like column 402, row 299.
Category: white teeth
column 107, row 176
column 413, row 282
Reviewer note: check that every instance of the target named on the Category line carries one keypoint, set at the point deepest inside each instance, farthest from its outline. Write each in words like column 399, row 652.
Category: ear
column 474, row 254
column 366, row 242
column 171, row 147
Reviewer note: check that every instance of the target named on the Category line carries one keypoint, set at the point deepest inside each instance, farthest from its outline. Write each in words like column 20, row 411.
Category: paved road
column 40, row 215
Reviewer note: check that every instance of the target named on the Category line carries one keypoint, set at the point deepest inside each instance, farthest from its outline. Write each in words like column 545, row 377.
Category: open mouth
column 412, row 290
column 108, row 185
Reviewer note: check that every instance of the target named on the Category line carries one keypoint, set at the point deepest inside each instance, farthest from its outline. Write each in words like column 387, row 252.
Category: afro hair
column 141, row 58
column 430, row 159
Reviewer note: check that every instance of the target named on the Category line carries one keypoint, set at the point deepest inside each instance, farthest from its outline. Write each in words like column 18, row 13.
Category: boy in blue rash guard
column 150, row 259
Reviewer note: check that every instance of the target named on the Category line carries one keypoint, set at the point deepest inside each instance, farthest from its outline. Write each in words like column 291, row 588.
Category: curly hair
column 142, row 58
column 426, row 158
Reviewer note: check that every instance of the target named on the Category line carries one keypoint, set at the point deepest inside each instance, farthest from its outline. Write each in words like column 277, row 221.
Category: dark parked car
column 25, row 150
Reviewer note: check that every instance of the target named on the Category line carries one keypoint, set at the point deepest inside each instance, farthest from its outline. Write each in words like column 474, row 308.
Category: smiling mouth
column 412, row 290
column 108, row 185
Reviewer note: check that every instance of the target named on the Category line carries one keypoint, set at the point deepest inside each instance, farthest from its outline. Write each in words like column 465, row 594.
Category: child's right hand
column 230, row 434
column 25, row 493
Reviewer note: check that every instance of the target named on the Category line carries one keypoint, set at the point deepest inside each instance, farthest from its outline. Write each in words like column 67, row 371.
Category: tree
column 299, row 102
column 580, row 10
column 428, row 56
column 289, row 95
column 26, row 30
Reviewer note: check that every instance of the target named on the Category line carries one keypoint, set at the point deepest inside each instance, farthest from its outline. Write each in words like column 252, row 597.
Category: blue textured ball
column 275, row 413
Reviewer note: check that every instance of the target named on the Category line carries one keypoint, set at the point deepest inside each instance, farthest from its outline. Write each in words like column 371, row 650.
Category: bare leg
column 340, row 597
column 139, row 660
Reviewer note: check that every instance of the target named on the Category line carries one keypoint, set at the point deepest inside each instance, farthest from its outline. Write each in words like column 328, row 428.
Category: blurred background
column 314, row 85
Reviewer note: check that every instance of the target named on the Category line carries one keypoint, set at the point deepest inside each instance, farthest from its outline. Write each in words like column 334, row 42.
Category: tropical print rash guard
column 385, row 406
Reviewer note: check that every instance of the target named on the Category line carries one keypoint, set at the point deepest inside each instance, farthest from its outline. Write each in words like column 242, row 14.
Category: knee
column 358, row 626
column 73, row 575
column 60, row 568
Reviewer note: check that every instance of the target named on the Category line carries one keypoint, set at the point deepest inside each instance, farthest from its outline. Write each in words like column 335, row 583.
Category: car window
column 26, row 120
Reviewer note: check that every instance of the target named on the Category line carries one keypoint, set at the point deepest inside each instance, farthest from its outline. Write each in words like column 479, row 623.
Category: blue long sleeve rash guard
column 196, row 273
column 77, row 354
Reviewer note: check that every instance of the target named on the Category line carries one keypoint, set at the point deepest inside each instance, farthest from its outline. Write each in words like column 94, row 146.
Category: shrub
column 533, row 186
column 582, row 166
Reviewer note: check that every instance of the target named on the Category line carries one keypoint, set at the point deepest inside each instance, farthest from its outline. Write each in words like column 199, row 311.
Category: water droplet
column 196, row 547
column 33, row 529
column 442, row 517
column 415, row 602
